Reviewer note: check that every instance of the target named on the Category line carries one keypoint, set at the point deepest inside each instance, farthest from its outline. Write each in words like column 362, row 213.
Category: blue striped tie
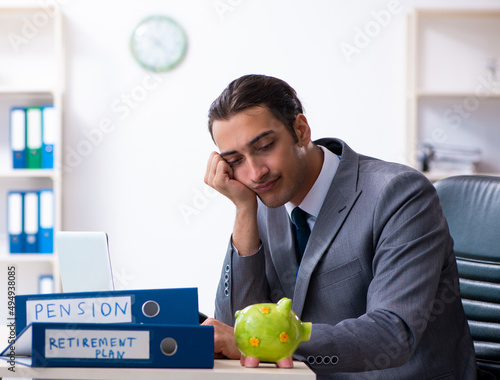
column 302, row 229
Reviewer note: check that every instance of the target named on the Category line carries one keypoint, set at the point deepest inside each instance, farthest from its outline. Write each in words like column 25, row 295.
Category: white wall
column 135, row 181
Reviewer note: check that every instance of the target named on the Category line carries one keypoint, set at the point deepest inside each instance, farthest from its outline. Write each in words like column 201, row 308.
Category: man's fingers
column 224, row 342
column 209, row 322
column 222, row 174
column 211, row 166
column 218, row 173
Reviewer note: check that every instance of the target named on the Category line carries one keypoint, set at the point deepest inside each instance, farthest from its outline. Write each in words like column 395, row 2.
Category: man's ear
column 302, row 130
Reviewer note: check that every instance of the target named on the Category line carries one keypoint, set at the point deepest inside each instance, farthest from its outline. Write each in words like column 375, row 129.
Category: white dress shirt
column 315, row 197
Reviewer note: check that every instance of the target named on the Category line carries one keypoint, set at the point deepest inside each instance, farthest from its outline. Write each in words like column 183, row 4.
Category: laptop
column 84, row 261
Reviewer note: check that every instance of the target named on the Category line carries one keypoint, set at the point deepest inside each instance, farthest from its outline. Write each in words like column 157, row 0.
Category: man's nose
column 257, row 170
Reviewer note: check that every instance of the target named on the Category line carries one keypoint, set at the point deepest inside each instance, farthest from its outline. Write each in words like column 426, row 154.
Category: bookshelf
column 31, row 74
column 453, row 87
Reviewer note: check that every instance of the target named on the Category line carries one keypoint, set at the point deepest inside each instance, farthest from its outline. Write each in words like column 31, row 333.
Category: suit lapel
column 341, row 197
column 282, row 249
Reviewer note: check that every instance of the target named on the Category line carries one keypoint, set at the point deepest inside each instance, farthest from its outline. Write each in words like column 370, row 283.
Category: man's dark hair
column 257, row 90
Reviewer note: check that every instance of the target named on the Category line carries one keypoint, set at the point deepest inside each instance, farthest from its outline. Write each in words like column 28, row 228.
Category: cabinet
column 453, row 84
column 31, row 74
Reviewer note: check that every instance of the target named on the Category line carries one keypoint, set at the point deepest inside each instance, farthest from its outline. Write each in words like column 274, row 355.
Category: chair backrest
column 471, row 205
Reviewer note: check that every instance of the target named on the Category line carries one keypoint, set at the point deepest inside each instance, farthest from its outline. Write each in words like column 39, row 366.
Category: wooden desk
column 223, row 370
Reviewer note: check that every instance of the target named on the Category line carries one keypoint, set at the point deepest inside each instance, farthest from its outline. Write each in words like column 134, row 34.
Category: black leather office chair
column 471, row 205
column 202, row 317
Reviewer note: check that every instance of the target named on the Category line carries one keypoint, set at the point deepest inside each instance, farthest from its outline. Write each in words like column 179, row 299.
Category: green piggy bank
column 269, row 332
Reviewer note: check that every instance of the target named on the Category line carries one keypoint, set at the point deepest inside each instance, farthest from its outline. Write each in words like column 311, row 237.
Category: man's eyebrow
column 228, row 153
column 250, row 143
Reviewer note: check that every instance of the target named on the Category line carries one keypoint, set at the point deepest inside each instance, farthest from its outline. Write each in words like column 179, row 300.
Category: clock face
column 158, row 43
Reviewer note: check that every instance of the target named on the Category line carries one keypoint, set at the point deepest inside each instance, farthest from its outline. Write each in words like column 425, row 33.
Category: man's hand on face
column 224, row 341
column 219, row 175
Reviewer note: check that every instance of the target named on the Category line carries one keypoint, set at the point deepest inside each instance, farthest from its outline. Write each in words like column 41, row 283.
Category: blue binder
column 18, row 137
column 112, row 345
column 46, row 284
column 46, row 221
column 152, row 306
column 15, row 201
column 30, row 222
column 49, row 133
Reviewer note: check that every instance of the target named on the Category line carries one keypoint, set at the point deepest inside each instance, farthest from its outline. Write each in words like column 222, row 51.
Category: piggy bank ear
column 237, row 314
column 285, row 305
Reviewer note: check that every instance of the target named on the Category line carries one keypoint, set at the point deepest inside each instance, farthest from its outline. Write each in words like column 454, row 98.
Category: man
column 378, row 277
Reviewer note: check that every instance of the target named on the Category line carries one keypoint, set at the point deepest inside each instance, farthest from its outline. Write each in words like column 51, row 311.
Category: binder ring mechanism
column 150, row 309
column 168, row 346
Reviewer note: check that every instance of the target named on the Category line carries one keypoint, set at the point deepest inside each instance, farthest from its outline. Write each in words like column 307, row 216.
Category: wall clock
column 158, row 43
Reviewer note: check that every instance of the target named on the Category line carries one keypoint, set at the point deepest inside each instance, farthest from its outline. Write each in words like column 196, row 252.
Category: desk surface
column 223, row 370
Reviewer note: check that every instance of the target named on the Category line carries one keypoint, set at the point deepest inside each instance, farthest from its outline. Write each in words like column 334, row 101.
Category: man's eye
column 234, row 162
column 266, row 147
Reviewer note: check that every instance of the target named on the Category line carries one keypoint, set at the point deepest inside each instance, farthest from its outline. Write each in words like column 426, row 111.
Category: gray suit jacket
column 378, row 279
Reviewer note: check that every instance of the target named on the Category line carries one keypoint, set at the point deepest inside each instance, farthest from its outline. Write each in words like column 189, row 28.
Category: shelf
column 457, row 94
column 453, row 66
column 25, row 90
column 30, row 173
column 31, row 74
column 14, row 11
column 454, row 13
column 26, row 258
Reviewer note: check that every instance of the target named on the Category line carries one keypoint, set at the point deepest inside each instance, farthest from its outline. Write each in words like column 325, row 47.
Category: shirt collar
column 314, row 199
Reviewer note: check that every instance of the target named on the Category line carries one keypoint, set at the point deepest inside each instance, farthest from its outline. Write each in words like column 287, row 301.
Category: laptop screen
column 84, row 261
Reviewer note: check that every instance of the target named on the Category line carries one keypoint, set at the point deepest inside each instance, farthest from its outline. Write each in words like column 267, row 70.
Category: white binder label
column 49, row 125
column 31, row 213
column 80, row 310
column 18, row 129
column 96, row 344
column 15, row 215
column 46, row 209
column 34, row 128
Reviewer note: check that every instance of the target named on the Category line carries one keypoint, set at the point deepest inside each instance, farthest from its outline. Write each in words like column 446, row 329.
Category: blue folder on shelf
column 15, row 202
column 46, row 284
column 46, row 219
column 18, row 137
column 49, row 133
column 31, row 221
column 153, row 306
column 112, row 345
